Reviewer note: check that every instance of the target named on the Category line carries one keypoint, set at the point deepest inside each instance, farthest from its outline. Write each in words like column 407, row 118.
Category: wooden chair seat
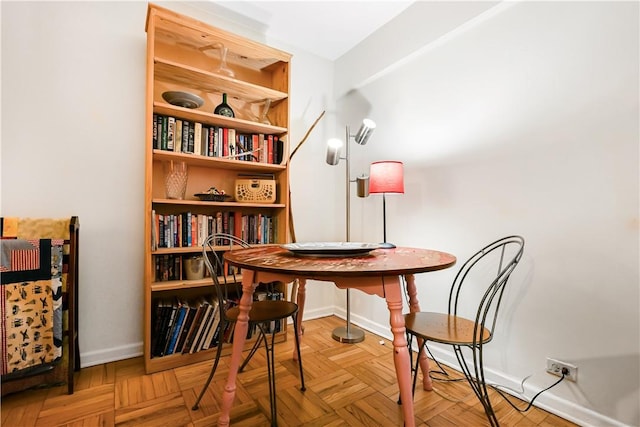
column 265, row 311
column 444, row 328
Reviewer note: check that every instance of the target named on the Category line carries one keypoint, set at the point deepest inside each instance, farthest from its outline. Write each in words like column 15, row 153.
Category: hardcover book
column 182, row 311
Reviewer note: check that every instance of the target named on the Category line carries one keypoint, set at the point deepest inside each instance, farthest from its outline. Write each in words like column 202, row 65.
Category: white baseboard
column 547, row 401
column 318, row 313
column 93, row 358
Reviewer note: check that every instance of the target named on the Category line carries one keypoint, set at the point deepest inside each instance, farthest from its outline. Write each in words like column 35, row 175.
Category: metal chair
column 493, row 264
column 261, row 315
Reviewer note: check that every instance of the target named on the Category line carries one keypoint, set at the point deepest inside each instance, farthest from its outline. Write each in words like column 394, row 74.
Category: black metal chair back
column 502, row 255
column 474, row 302
column 216, row 267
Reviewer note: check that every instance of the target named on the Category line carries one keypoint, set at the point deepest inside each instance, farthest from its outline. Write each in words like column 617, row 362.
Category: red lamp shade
column 386, row 177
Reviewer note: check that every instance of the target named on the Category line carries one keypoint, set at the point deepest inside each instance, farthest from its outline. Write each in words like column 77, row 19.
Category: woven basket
column 255, row 190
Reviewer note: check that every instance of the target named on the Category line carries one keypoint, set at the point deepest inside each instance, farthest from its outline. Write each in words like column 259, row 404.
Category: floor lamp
column 386, row 177
column 348, row 334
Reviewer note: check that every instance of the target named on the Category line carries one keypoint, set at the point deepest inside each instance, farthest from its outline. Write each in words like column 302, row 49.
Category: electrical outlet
column 555, row 367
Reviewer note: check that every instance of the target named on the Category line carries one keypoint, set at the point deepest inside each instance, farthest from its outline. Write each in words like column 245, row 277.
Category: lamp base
column 387, row 245
column 348, row 335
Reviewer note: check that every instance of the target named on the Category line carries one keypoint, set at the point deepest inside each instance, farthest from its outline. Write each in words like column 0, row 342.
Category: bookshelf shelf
column 191, row 250
column 188, row 284
column 197, row 160
column 204, row 81
column 219, row 204
column 214, row 119
column 181, row 56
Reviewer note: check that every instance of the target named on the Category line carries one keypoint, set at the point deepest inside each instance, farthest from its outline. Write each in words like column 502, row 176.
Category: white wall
column 522, row 120
column 73, row 93
column 73, row 144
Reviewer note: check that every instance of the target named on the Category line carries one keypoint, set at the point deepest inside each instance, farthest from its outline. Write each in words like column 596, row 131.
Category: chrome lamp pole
column 348, row 334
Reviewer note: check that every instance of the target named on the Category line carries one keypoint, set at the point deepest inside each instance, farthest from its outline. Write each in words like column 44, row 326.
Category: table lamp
column 386, row 177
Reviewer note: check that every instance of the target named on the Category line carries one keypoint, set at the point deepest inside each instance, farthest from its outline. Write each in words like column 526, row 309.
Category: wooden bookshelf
column 183, row 55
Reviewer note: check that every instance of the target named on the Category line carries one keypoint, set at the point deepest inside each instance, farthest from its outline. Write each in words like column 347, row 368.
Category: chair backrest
column 224, row 288
column 494, row 264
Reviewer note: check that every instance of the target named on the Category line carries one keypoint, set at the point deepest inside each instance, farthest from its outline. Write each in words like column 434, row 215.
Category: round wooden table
column 378, row 272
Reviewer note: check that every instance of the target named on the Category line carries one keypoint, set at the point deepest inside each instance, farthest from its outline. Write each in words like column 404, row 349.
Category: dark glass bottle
column 224, row 109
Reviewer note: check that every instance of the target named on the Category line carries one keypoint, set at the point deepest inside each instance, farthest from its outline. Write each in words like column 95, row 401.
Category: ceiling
column 328, row 29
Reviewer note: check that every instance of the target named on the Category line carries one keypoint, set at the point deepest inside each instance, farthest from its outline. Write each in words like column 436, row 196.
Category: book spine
column 197, row 138
column 212, row 327
column 231, row 141
column 185, row 136
column 219, row 142
column 177, row 145
column 190, row 144
column 188, row 229
column 155, row 132
column 171, row 129
column 206, row 329
column 278, row 149
column 225, row 223
column 225, row 142
column 270, row 158
column 154, row 230
column 237, row 224
column 204, row 141
column 200, row 308
column 219, row 222
column 194, row 230
column 174, row 229
column 176, row 329
column 188, row 321
column 157, row 326
column 202, row 229
column 198, row 336
column 161, row 241
column 169, row 329
column 263, row 148
column 255, row 144
column 163, row 134
column 212, row 142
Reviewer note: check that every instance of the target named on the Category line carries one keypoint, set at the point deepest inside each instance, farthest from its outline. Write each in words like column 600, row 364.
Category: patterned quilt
column 31, row 302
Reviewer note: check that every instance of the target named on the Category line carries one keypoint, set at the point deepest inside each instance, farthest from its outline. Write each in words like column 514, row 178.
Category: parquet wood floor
column 347, row 385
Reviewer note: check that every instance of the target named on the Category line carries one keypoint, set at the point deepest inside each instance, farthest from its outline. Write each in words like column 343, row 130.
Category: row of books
column 184, row 327
column 170, row 267
column 182, row 136
column 189, row 229
column 181, row 327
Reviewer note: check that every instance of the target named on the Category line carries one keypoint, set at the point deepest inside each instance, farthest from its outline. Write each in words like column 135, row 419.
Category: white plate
column 183, row 99
column 331, row 248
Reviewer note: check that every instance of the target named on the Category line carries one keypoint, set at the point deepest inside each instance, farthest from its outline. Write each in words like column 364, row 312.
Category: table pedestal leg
column 300, row 300
column 239, row 337
column 414, row 306
column 401, row 360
